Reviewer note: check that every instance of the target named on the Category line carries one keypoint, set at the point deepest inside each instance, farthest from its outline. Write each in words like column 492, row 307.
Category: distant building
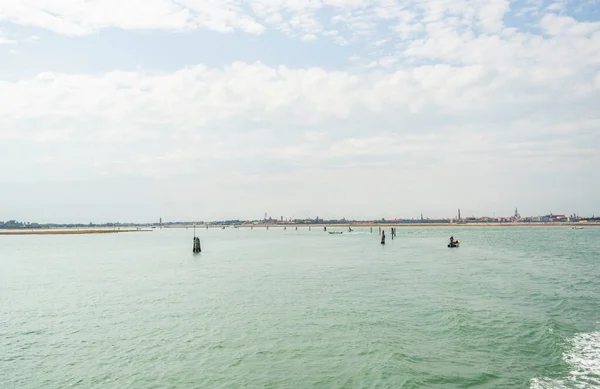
column 554, row 218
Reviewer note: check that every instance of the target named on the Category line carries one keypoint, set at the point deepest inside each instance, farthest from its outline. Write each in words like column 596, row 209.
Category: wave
column 583, row 359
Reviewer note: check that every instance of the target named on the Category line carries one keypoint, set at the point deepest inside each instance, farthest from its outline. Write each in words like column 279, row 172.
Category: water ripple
column 509, row 309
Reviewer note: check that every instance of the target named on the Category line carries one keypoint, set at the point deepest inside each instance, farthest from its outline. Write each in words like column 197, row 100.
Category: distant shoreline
column 69, row 231
column 368, row 225
column 63, row 232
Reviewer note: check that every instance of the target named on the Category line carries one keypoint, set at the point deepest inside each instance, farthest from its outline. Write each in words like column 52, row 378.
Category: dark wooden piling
column 197, row 248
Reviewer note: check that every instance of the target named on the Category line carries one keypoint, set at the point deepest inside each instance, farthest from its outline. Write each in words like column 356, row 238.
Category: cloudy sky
column 133, row 110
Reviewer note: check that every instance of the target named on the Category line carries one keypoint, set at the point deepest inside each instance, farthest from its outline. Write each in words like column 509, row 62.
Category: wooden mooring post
column 197, row 248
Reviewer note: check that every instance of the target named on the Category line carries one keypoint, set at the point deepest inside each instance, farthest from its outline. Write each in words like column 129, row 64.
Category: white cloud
column 564, row 25
column 309, row 37
column 201, row 95
column 32, row 39
column 384, row 62
column 568, row 51
column 83, row 18
column 558, row 6
column 211, row 108
column 408, row 30
column 358, row 18
column 5, row 40
column 440, row 86
column 295, row 18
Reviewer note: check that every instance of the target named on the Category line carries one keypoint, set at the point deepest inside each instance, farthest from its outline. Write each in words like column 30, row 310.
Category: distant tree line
column 16, row 224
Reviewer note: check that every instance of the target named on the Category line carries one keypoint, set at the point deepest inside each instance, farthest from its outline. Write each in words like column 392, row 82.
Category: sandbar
column 65, row 232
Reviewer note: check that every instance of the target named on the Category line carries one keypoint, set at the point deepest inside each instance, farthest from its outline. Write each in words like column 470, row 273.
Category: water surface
column 511, row 308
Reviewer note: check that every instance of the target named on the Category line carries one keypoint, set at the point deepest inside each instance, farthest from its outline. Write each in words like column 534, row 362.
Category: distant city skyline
column 159, row 222
column 348, row 108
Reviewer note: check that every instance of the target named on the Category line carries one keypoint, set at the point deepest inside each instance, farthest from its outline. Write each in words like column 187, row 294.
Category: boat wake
column 584, row 361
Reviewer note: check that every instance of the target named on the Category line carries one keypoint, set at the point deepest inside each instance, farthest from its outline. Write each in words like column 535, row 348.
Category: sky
column 365, row 109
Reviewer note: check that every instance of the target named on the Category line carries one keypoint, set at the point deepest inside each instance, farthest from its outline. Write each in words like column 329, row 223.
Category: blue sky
column 205, row 109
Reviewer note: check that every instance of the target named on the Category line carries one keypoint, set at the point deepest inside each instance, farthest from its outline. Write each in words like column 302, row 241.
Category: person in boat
column 452, row 241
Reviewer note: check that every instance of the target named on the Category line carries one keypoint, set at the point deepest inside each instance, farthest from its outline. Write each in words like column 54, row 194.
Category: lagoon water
column 511, row 308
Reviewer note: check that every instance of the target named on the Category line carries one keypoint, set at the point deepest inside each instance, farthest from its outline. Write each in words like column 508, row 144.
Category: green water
column 510, row 308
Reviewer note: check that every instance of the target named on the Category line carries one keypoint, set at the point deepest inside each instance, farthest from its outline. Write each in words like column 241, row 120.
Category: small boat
column 455, row 244
column 335, row 232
